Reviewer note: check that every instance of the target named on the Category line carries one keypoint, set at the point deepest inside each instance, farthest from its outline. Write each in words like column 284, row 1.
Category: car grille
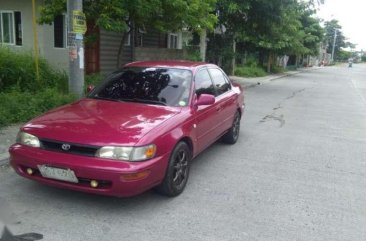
column 72, row 148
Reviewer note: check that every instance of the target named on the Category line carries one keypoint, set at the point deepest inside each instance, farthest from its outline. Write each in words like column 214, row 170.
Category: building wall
column 109, row 45
column 152, row 47
column 92, row 49
column 143, row 53
column 58, row 57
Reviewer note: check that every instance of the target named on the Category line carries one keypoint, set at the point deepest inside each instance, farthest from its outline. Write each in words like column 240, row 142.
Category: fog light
column 94, row 183
column 135, row 176
column 30, row 171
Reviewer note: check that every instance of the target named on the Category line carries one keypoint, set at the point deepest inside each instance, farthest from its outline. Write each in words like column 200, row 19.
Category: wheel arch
column 189, row 142
column 240, row 111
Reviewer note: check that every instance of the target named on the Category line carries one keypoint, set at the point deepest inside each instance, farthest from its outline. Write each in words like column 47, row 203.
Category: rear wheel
column 233, row 133
column 177, row 173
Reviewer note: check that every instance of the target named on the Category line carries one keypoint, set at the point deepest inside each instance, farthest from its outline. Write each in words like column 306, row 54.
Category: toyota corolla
column 138, row 129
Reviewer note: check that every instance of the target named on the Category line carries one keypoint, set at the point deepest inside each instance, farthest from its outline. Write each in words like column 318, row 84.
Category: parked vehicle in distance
column 137, row 130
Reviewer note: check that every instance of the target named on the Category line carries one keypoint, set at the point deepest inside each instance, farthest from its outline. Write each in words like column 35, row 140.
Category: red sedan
column 137, row 130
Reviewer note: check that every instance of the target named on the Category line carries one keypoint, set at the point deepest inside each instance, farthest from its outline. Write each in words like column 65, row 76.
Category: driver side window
column 203, row 83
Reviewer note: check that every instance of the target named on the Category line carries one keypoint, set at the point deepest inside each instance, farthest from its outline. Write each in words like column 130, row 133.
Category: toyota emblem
column 65, row 147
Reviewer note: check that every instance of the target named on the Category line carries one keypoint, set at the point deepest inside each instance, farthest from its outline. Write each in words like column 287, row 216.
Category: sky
column 351, row 16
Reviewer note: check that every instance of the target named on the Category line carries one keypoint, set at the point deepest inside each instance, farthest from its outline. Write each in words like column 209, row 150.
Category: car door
column 205, row 116
column 225, row 100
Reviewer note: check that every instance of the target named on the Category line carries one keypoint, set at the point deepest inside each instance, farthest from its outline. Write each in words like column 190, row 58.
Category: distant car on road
column 137, row 130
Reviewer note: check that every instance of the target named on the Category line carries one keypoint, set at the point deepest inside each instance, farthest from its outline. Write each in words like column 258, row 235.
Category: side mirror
column 90, row 88
column 205, row 99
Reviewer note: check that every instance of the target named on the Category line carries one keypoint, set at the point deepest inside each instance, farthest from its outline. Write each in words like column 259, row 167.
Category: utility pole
column 361, row 54
column 334, row 42
column 76, row 31
column 203, row 44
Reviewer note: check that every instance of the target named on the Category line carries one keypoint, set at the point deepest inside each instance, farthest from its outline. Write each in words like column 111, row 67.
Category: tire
column 232, row 135
column 177, row 173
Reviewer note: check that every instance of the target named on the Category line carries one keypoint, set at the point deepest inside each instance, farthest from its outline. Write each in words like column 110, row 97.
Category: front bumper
column 110, row 174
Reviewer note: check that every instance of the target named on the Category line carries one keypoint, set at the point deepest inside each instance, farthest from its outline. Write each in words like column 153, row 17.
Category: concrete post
column 203, row 44
column 76, row 50
column 233, row 60
column 334, row 42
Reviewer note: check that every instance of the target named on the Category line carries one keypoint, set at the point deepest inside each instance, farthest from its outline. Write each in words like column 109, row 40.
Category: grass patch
column 277, row 69
column 17, row 69
column 250, row 71
column 20, row 106
column 93, row 79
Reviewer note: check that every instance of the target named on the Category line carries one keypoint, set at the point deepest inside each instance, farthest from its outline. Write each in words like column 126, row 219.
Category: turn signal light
column 150, row 151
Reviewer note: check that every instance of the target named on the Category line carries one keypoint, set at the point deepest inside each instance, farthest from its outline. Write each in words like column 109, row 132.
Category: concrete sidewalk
column 7, row 138
column 8, row 134
column 252, row 82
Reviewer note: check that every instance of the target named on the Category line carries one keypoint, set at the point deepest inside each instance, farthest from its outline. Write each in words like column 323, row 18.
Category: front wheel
column 233, row 133
column 177, row 173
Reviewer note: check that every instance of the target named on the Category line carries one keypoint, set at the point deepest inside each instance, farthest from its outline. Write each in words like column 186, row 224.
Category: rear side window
column 221, row 83
column 203, row 83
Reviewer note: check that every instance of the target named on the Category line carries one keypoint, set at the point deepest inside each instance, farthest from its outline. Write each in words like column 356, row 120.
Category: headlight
column 28, row 139
column 127, row 153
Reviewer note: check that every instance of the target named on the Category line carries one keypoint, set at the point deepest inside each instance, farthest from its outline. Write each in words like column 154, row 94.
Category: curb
column 253, row 83
column 272, row 78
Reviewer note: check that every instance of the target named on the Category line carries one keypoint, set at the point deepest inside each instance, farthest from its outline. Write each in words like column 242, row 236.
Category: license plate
column 58, row 173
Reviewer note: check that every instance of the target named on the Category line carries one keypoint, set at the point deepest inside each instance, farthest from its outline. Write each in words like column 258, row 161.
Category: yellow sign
column 78, row 22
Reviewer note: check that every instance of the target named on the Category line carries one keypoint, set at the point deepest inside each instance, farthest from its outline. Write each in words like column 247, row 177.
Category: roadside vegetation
column 249, row 71
column 268, row 30
column 22, row 95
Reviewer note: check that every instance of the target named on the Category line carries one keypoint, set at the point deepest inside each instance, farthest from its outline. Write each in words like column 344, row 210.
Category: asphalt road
column 298, row 172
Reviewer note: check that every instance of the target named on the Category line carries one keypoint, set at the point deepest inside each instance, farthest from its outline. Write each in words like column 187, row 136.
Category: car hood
column 100, row 122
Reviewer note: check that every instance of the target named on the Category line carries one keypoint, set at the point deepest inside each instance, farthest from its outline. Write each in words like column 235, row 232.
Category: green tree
column 275, row 28
column 330, row 28
column 232, row 15
column 272, row 27
column 285, row 27
column 344, row 55
column 126, row 15
column 314, row 33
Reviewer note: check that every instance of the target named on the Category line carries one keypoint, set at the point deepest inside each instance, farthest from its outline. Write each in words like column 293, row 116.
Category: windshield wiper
column 156, row 102
column 103, row 98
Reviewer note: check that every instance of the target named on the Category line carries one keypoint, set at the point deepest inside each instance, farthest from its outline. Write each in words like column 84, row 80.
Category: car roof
column 169, row 63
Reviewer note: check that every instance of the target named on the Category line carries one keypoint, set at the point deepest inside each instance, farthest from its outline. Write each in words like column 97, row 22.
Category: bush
column 192, row 53
column 250, row 71
column 22, row 96
column 277, row 69
column 17, row 69
column 93, row 79
column 20, row 106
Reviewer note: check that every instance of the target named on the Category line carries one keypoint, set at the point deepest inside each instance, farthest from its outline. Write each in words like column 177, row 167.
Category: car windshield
column 160, row 86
